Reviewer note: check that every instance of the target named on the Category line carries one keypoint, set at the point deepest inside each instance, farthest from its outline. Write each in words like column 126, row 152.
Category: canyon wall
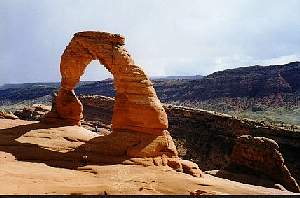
column 206, row 137
column 209, row 137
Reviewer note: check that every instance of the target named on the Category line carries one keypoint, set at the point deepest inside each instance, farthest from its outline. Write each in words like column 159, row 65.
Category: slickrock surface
column 40, row 159
column 139, row 122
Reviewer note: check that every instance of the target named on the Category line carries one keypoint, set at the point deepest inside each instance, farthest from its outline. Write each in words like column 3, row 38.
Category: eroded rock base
column 73, row 146
column 139, row 121
column 138, row 149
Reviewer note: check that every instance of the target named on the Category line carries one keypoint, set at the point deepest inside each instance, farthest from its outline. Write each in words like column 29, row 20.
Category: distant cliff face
column 269, row 93
column 249, row 82
column 254, row 81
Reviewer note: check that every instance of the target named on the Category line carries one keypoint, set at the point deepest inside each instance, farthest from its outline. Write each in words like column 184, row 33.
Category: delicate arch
column 139, row 121
column 137, row 107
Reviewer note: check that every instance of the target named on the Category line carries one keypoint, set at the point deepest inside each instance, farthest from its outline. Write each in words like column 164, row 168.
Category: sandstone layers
column 139, row 121
column 137, row 107
column 7, row 115
column 35, row 112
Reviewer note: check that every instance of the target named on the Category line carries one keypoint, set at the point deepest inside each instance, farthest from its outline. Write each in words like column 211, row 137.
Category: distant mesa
column 196, row 77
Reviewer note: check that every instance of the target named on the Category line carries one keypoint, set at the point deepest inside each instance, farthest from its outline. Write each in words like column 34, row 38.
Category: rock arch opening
column 139, row 123
column 96, row 95
column 137, row 110
column 95, row 72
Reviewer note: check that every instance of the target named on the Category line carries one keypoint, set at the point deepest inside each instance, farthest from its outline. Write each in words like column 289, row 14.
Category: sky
column 169, row 37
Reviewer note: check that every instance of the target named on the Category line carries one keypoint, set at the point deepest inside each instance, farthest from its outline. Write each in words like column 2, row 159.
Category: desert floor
column 39, row 159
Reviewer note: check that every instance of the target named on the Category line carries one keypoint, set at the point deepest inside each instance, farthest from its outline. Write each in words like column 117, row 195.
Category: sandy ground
column 38, row 159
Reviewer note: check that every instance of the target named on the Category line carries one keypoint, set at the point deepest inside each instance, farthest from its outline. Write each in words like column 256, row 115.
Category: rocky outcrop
column 261, row 155
column 209, row 137
column 7, row 115
column 135, row 95
column 93, row 120
column 95, row 104
column 139, row 122
column 250, row 82
column 254, row 81
column 34, row 112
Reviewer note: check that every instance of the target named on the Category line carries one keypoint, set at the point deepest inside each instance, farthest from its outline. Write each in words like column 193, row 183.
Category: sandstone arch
column 139, row 121
column 137, row 109
column 135, row 95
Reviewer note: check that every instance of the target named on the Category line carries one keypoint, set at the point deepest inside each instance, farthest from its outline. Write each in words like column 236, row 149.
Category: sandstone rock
column 139, row 122
column 35, row 112
column 209, row 138
column 68, row 106
column 135, row 95
column 92, row 105
column 191, row 168
column 201, row 192
column 280, row 187
column 175, row 163
column 7, row 115
column 36, row 159
column 262, row 155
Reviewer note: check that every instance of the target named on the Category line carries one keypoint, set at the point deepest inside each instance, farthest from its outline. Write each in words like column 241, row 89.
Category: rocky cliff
column 254, row 81
column 209, row 137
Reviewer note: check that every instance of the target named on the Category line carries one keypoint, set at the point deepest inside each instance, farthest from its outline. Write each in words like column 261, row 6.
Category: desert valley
column 149, row 97
column 127, row 142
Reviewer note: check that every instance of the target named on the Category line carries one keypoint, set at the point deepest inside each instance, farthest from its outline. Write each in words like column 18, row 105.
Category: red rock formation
column 262, row 155
column 139, row 121
column 34, row 112
column 7, row 115
column 135, row 95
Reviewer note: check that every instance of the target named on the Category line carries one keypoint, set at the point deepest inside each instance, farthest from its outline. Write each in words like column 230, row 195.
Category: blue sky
column 169, row 37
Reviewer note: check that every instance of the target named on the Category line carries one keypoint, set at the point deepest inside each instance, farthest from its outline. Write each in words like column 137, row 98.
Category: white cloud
column 282, row 60
column 170, row 37
column 234, row 61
